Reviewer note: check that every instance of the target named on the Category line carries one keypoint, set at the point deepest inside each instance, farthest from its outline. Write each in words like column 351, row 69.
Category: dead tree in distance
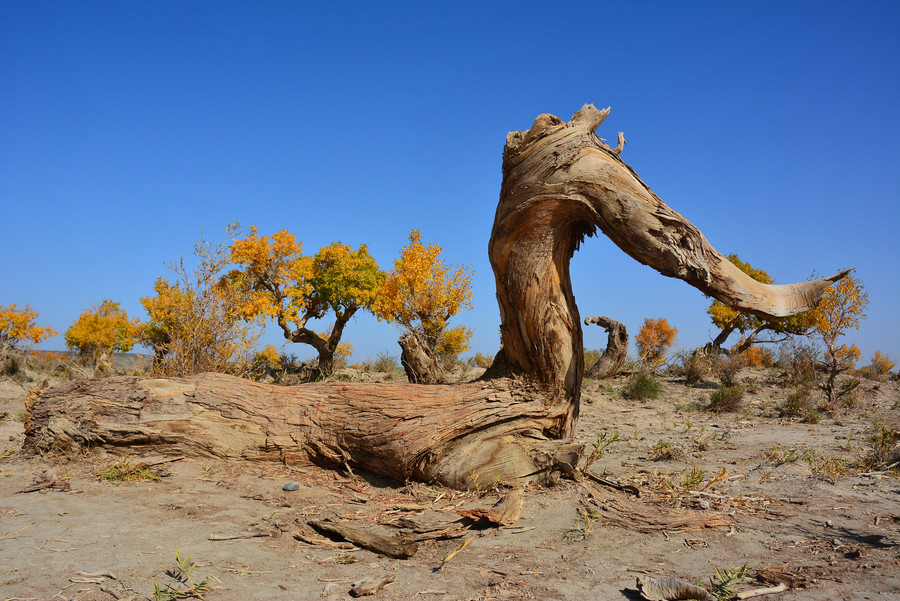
column 560, row 184
column 613, row 357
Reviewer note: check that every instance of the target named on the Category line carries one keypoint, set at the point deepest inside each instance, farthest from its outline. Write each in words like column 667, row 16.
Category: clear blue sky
column 127, row 129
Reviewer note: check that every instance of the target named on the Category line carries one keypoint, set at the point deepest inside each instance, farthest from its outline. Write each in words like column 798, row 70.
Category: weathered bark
column 560, row 183
column 448, row 434
column 613, row 357
column 419, row 363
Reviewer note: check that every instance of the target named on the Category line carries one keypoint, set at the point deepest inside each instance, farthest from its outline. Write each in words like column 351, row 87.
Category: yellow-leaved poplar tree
column 18, row 326
column 842, row 309
column 195, row 322
column 654, row 339
column 103, row 328
column 882, row 363
column 279, row 282
column 421, row 294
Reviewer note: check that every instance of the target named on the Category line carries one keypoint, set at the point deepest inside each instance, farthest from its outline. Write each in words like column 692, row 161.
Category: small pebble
column 291, row 486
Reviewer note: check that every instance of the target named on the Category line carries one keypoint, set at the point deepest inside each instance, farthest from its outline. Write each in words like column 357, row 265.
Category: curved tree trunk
column 560, row 183
column 612, row 359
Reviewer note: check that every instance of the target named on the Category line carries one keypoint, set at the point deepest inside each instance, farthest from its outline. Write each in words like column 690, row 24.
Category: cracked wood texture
column 560, row 184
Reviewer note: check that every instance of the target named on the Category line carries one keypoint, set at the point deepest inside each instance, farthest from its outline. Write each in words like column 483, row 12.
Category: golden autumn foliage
column 883, row 363
column 277, row 281
column 753, row 356
column 654, row 339
column 422, row 293
column 269, row 356
column 842, row 309
column 195, row 323
column 17, row 326
column 103, row 329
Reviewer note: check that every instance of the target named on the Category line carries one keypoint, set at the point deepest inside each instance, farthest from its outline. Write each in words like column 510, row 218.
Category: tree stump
column 420, row 365
column 560, row 184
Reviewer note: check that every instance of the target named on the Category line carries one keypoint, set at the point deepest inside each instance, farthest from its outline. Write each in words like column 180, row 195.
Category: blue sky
column 128, row 129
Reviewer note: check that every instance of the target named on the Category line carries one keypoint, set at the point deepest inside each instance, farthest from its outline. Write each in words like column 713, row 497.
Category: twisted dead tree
column 613, row 357
column 560, row 184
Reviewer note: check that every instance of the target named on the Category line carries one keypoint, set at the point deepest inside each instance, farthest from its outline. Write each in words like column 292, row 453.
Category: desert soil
column 778, row 495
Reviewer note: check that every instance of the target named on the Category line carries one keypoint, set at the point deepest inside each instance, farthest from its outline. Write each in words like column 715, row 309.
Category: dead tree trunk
column 560, row 184
column 612, row 359
column 420, row 364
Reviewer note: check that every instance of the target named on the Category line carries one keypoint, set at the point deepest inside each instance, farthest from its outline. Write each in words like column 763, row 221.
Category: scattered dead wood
column 640, row 517
column 159, row 461
column 417, row 532
column 505, row 512
column 303, row 533
column 54, row 484
column 758, row 592
column 238, row 535
column 396, row 547
column 669, row 589
column 629, row 488
column 370, row 585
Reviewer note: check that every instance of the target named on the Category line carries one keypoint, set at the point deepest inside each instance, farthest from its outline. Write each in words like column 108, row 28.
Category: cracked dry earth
column 716, row 491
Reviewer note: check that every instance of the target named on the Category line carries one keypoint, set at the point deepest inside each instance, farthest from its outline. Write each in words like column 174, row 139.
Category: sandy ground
column 766, row 495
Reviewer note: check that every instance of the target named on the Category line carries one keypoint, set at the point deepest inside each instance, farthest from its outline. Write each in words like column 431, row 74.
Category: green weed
column 600, row 445
column 185, row 588
column 643, row 386
column 721, row 587
column 124, row 470
column 584, row 527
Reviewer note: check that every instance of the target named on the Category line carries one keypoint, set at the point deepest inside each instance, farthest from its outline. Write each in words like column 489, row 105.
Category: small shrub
column 591, row 356
column 643, row 386
column 584, row 527
column 692, row 365
column 881, row 366
column 727, row 398
column 663, row 451
column 758, row 356
column 722, row 587
column 600, row 444
column 779, row 454
column 124, row 470
column 812, row 415
column 387, row 363
column 796, row 404
column 828, row 468
column 728, row 368
column 692, row 479
column 883, row 450
column 10, row 366
column 798, row 362
column 185, row 587
column 482, row 361
column 696, row 368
